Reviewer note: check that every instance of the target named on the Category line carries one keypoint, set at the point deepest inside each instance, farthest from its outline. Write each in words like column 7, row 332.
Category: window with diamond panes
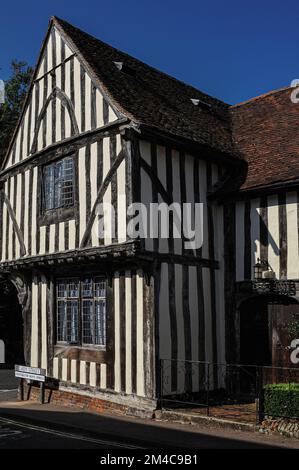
column 94, row 311
column 81, row 311
column 68, row 293
column 58, row 184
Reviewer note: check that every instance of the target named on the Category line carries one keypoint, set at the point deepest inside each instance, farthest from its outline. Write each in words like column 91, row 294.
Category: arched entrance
column 265, row 330
column 11, row 325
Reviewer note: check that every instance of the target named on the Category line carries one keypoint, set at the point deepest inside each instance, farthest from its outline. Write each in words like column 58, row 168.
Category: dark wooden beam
column 60, row 148
column 102, row 189
column 65, row 102
column 15, row 224
column 156, row 182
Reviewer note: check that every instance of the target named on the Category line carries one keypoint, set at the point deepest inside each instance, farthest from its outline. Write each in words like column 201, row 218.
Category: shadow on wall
column 264, row 239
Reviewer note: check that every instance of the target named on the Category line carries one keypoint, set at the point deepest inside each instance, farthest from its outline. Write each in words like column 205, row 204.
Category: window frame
column 55, row 181
column 70, row 343
column 80, row 343
column 61, row 214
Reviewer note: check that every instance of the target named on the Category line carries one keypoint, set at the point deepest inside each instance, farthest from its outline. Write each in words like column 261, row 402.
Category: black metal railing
column 230, row 391
column 268, row 286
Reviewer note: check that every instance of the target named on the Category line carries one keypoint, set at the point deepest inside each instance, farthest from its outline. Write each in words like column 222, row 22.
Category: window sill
column 54, row 216
column 81, row 353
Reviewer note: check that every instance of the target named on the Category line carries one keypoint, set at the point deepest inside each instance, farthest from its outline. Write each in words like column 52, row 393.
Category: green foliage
column 15, row 91
column 282, row 400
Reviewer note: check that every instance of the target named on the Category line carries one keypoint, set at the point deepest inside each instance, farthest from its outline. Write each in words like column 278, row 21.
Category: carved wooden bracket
column 22, row 286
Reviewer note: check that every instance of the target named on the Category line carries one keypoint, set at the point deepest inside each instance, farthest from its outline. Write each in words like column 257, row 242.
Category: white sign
column 25, row 375
column 30, row 373
column 30, row 370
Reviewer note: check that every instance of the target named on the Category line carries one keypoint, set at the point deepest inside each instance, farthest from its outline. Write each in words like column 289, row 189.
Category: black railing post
column 22, row 389
column 208, row 389
column 160, row 398
column 42, row 393
column 259, row 395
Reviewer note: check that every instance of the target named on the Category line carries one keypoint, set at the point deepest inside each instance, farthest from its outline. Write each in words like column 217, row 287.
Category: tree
column 15, row 91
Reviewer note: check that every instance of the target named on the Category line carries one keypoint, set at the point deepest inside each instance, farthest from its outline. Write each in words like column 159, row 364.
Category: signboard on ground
column 30, row 373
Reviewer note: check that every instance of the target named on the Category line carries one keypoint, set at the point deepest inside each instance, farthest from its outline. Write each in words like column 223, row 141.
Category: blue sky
column 229, row 49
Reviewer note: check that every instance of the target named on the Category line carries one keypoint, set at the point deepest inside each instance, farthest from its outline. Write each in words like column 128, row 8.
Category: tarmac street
column 30, row 425
column 8, row 385
column 14, row 435
column 51, row 426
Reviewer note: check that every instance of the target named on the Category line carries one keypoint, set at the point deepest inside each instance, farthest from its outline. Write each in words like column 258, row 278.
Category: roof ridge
column 259, row 97
column 153, row 99
column 61, row 22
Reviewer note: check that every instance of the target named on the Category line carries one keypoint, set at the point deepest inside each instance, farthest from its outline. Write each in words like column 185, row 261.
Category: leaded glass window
column 94, row 311
column 81, row 310
column 58, row 184
column 68, row 310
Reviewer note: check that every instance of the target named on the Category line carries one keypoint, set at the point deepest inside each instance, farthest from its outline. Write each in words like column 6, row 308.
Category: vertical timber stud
column 133, row 331
column 283, row 259
column 133, row 179
column 50, row 324
column 127, row 149
column 158, row 363
column 231, row 335
column 110, row 333
column 264, row 229
column 39, row 316
column 247, row 241
column 149, row 336
column 211, row 233
column 122, row 306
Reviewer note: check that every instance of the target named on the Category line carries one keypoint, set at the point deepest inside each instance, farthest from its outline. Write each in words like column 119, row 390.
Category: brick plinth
column 89, row 402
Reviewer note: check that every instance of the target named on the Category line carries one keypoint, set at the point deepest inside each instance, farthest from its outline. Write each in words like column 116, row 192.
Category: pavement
column 111, row 430
column 29, row 424
column 8, row 385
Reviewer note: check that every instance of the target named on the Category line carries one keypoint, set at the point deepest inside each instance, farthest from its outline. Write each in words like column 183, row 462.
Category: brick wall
column 85, row 402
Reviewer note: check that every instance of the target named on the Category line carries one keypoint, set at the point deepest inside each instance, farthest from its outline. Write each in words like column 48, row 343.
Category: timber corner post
column 260, row 411
column 23, row 287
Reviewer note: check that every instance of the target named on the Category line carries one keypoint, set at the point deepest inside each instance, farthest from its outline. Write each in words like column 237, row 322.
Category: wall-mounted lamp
column 262, row 270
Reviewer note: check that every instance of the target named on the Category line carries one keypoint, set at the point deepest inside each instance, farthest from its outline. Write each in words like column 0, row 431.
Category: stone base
column 91, row 399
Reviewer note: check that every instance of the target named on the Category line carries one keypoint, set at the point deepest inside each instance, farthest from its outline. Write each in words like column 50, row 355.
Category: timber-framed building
column 99, row 314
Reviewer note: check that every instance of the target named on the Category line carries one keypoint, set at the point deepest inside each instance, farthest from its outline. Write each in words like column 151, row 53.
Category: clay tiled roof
column 262, row 131
column 151, row 97
column 265, row 133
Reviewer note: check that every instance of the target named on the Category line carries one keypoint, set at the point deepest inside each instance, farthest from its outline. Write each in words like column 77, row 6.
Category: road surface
column 29, row 425
column 8, row 385
column 16, row 435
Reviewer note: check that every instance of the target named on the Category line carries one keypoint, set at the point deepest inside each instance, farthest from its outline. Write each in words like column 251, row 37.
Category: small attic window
column 202, row 104
column 122, row 67
column 118, row 65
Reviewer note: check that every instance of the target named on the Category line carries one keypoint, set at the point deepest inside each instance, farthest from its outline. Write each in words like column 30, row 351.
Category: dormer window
column 58, row 184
